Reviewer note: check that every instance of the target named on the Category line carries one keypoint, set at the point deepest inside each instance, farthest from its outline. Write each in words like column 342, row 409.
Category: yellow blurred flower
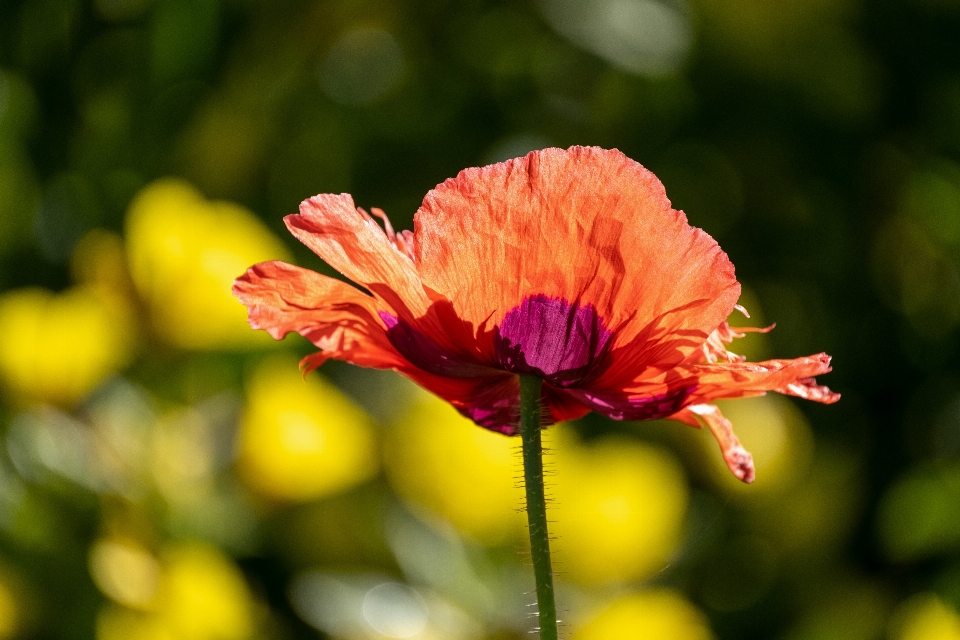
column 301, row 438
column 57, row 347
column 439, row 461
column 925, row 617
column 618, row 507
column 184, row 252
column 117, row 623
column 124, row 571
column 11, row 609
column 201, row 595
column 659, row 614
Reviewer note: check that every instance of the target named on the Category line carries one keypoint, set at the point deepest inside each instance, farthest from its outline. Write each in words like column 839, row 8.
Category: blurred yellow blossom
column 124, row 571
column 11, row 613
column 301, row 438
column 659, row 614
column 57, row 347
column 925, row 617
column 184, row 252
column 438, row 460
column 618, row 507
column 117, row 623
column 201, row 595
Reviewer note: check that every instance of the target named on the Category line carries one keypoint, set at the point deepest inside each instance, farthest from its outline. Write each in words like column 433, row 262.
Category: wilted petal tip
column 740, row 463
column 738, row 459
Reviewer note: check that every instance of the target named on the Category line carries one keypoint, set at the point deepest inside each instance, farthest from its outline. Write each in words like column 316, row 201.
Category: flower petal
column 738, row 459
column 653, row 402
column 565, row 224
column 426, row 353
column 338, row 318
column 491, row 401
column 347, row 325
column 741, row 379
column 562, row 405
column 553, row 339
column 808, row 389
column 354, row 244
column 665, row 395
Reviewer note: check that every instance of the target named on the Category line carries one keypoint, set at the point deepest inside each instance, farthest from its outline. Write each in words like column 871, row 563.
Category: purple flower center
column 557, row 340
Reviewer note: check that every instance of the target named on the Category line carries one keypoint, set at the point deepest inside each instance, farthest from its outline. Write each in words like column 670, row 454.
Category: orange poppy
column 566, row 264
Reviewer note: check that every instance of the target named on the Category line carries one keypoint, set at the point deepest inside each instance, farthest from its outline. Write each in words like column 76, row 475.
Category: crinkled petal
column 808, row 389
column 491, row 401
column 738, row 459
column 426, row 353
column 653, row 402
column 338, row 318
column 354, row 244
column 345, row 324
column 713, row 381
column 701, row 383
column 685, row 393
column 584, row 225
column 562, row 405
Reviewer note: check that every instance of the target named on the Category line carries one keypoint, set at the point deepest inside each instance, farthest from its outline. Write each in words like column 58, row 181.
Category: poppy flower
column 570, row 265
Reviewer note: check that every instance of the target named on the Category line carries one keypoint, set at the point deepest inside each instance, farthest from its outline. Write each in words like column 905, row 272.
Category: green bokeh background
column 817, row 140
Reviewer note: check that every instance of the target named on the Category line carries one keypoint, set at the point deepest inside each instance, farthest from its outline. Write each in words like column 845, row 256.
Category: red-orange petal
column 493, row 400
column 738, row 459
column 354, row 244
column 339, row 319
column 584, row 225
column 740, row 379
column 685, row 385
column 561, row 406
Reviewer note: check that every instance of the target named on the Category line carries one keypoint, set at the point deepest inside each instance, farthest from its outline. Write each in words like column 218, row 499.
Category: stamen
column 386, row 221
column 714, row 347
column 402, row 241
column 407, row 236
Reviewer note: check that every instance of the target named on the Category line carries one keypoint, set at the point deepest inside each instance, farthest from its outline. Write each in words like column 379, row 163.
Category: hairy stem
column 536, row 504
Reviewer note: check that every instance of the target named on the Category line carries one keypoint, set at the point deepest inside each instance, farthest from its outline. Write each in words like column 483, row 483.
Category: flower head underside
column 569, row 265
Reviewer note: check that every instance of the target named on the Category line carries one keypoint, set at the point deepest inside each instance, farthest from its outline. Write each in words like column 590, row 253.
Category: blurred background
column 165, row 473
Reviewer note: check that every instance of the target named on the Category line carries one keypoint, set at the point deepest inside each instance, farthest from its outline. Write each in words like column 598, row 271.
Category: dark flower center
column 549, row 337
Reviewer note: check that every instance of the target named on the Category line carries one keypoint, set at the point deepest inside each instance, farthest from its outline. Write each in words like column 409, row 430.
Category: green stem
column 536, row 504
